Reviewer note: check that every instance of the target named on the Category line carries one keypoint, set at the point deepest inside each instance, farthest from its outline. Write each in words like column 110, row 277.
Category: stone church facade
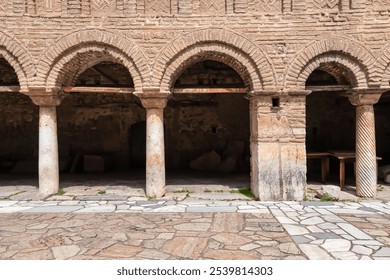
column 144, row 54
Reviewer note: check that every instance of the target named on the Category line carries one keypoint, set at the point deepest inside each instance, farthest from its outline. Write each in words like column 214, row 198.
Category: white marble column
column 48, row 151
column 366, row 163
column 154, row 104
column 48, row 166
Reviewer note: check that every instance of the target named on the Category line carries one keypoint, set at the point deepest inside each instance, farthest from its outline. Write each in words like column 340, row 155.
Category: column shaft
column 155, row 158
column 48, row 151
column 366, row 174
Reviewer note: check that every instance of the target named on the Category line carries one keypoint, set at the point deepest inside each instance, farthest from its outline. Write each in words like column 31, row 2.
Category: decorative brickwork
column 157, row 7
column 80, row 50
column 18, row 58
column 327, row 4
column 3, row 6
column 349, row 54
column 381, row 4
column 48, row 5
column 224, row 46
column 100, row 7
column 383, row 66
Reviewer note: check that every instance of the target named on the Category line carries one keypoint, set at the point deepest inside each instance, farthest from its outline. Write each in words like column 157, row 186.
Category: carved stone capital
column 153, row 98
column 42, row 97
column 364, row 97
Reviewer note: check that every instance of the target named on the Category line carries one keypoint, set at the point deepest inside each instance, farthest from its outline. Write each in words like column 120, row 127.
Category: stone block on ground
column 383, row 171
column 228, row 164
column 387, row 178
column 206, row 162
column 333, row 192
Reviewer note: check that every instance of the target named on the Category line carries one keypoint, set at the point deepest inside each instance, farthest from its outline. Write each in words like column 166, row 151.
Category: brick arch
column 110, row 46
column 19, row 58
column 349, row 54
column 383, row 66
column 236, row 61
column 225, row 46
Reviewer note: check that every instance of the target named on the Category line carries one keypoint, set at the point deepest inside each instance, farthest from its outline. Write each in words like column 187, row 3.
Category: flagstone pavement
column 210, row 224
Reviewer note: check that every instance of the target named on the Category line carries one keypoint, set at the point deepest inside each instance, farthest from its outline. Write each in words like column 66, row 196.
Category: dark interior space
column 208, row 132
column 382, row 128
column 96, row 130
column 330, row 119
column 18, row 127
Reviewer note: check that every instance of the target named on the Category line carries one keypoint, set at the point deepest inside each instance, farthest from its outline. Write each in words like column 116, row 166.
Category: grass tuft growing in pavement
column 247, row 192
column 61, row 191
column 102, row 192
column 182, row 191
column 326, row 197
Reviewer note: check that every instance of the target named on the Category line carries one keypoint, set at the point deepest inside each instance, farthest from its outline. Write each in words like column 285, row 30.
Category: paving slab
column 325, row 235
column 354, row 231
column 383, row 252
column 314, row 252
column 53, row 209
column 212, row 209
column 219, row 196
column 88, row 228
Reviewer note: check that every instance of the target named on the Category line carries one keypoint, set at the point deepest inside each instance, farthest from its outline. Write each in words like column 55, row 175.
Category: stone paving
column 201, row 220
column 194, row 229
column 150, row 236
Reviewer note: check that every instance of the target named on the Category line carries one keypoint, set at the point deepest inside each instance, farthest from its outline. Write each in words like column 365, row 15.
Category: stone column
column 154, row 103
column 366, row 164
column 48, row 144
column 278, row 156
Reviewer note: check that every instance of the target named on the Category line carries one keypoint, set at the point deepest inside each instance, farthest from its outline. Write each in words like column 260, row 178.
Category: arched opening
column 330, row 124
column 96, row 123
column 19, row 130
column 382, row 128
column 207, row 129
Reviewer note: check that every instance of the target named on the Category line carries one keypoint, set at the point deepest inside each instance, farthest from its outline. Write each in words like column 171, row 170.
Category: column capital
column 361, row 97
column 153, row 98
column 42, row 97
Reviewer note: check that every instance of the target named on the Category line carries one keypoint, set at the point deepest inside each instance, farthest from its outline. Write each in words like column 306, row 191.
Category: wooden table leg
column 342, row 173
